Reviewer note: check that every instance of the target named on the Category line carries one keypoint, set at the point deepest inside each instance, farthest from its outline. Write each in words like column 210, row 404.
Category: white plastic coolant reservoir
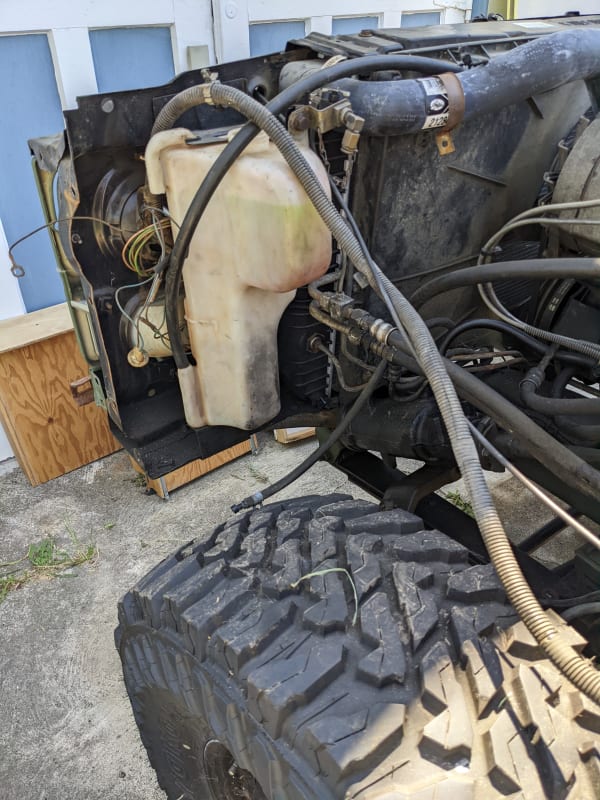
column 259, row 239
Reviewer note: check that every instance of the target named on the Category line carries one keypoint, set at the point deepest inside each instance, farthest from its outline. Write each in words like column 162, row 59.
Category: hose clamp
column 456, row 99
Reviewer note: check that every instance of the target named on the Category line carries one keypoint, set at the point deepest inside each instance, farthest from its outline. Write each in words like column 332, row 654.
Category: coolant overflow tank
column 259, row 239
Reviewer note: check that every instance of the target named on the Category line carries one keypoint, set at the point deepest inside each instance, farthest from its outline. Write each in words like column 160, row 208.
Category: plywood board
column 49, row 433
column 195, row 469
column 37, row 326
column 289, row 435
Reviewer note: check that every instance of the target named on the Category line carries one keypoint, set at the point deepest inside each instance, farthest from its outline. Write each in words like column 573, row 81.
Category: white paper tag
column 436, row 103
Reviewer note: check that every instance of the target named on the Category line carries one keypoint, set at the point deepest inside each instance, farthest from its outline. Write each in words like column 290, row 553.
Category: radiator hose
column 577, row 669
column 391, row 108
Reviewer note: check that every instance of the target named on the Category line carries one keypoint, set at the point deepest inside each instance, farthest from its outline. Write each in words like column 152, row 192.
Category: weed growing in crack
column 459, row 501
column 44, row 559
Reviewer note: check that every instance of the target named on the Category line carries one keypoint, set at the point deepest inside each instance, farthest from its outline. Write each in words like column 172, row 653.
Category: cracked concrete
column 67, row 731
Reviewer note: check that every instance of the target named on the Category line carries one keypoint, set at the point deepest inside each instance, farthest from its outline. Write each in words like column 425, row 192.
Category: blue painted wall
column 420, row 18
column 272, row 37
column 340, row 25
column 30, row 107
column 131, row 58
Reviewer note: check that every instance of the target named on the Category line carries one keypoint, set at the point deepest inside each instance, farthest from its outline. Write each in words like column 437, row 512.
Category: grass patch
column 44, row 559
column 459, row 501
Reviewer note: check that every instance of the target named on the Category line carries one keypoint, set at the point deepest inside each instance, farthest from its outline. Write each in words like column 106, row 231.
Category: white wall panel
column 73, row 64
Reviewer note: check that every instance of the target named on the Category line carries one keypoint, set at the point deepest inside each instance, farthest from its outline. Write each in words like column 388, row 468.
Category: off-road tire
column 435, row 693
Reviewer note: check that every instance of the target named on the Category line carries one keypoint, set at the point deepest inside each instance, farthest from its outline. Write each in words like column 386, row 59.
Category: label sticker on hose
column 436, row 103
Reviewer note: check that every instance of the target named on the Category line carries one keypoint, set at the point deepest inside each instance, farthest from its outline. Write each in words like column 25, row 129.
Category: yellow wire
column 131, row 252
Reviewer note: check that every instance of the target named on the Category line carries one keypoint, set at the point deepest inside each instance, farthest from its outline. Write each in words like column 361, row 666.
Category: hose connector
column 534, row 376
column 248, row 502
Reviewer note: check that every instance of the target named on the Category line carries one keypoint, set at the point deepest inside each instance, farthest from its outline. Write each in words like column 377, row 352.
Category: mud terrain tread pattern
column 412, row 702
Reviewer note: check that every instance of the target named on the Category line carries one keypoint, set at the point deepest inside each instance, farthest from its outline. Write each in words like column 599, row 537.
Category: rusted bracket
column 82, row 391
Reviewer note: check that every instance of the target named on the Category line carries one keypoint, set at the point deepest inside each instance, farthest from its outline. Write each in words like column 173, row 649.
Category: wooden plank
column 48, row 432
column 37, row 326
column 289, row 435
column 195, row 469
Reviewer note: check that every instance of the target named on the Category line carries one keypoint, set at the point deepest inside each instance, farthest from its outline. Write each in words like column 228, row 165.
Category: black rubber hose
column 523, row 338
column 584, row 610
column 586, row 434
column 398, row 107
column 573, row 407
column 536, row 269
column 279, row 104
column 514, row 447
column 316, row 455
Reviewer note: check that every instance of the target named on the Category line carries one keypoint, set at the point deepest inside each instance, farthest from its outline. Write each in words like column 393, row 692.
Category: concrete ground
column 66, row 729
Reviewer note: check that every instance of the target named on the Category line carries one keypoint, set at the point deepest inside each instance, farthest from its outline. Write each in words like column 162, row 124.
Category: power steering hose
column 197, row 95
column 576, row 668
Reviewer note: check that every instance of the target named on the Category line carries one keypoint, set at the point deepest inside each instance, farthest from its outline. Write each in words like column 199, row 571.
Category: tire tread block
column 387, row 663
column 522, row 644
column 150, row 593
column 330, row 613
column 364, row 560
column 226, row 544
column 427, row 547
column 180, row 597
column 509, row 757
column 348, row 743
column 288, row 562
column 348, row 509
column 252, row 553
column 290, row 526
column 483, row 672
column 322, row 537
column 551, row 737
column 395, row 521
column 277, row 688
column 435, row 660
column 222, row 604
column 261, row 518
column 417, row 605
column 450, row 733
column 587, row 713
column 476, row 584
column 468, row 622
column 251, row 630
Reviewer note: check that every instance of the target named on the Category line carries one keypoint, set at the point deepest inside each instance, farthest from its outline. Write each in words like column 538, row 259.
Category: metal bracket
column 413, row 488
column 444, row 143
column 82, row 391
column 329, row 109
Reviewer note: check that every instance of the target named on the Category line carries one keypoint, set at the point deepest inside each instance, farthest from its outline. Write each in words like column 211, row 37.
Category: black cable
column 357, row 66
column 566, row 602
column 534, row 268
column 515, row 333
column 17, row 270
column 259, row 497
